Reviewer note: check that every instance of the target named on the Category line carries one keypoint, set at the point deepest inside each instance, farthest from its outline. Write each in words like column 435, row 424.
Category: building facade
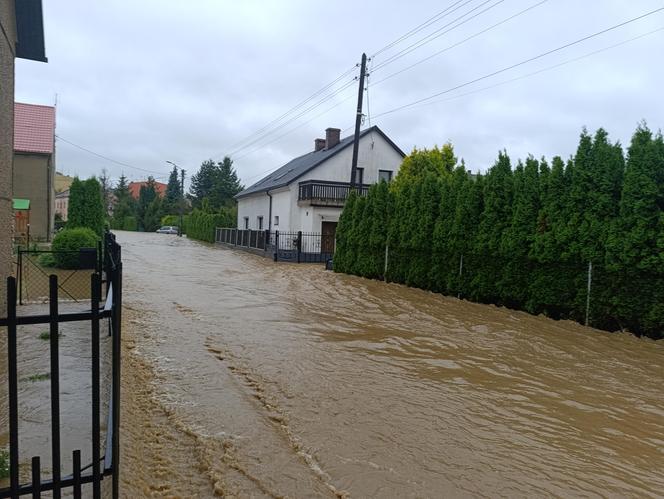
column 34, row 165
column 21, row 24
column 308, row 193
column 62, row 204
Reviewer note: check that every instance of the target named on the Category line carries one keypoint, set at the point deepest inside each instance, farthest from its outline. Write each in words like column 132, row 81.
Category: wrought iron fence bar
column 76, row 460
column 36, row 478
column 13, row 384
column 26, row 320
column 55, row 383
column 95, row 283
column 117, row 331
column 47, row 485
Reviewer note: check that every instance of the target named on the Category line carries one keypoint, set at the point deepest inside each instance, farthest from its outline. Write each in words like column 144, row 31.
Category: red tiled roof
column 135, row 188
column 34, row 128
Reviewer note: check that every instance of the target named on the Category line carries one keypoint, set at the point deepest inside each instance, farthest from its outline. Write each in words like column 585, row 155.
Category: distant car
column 168, row 229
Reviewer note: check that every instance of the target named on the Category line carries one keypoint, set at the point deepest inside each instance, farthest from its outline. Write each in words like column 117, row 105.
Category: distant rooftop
column 34, row 128
column 135, row 188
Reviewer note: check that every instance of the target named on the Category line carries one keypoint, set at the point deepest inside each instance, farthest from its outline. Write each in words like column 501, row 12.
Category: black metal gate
column 100, row 466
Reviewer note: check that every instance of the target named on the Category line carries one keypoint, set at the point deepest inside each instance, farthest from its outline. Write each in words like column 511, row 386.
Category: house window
column 246, row 222
column 385, row 175
column 276, row 220
column 260, row 223
column 359, row 176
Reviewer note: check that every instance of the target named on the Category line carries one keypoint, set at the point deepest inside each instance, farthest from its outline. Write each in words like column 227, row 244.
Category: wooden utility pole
column 358, row 122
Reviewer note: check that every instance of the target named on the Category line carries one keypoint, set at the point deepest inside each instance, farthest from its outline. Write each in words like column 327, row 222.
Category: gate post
column 299, row 245
column 276, row 246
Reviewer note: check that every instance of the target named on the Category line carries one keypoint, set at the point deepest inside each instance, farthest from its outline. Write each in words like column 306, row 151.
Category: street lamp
column 182, row 172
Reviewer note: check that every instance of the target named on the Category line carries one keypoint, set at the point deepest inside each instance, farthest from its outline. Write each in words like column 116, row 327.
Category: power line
column 294, row 118
column 433, row 19
column 290, row 111
column 106, row 157
column 454, row 45
column 521, row 63
column 292, row 130
column 439, row 32
column 548, row 68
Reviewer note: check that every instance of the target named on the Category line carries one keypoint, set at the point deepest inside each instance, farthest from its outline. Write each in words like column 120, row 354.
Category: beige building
column 22, row 30
column 34, row 165
column 62, row 204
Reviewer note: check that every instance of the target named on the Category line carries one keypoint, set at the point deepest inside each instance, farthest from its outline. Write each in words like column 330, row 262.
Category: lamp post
column 182, row 172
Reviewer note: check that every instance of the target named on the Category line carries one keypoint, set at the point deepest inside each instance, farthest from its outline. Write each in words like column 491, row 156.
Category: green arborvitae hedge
column 70, row 241
column 201, row 225
column 524, row 235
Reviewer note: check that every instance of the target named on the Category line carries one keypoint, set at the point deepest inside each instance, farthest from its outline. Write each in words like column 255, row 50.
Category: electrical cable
column 294, row 118
column 548, row 68
column 291, row 110
column 293, row 129
column 475, row 35
column 433, row 19
column 521, row 63
column 106, row 157
column 438, row 33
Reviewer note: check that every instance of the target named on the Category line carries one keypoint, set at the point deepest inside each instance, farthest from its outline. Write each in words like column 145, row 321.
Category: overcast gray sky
column 147, row 81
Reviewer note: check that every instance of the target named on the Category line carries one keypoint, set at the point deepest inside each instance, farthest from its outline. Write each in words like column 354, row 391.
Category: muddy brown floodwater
column 247, row 378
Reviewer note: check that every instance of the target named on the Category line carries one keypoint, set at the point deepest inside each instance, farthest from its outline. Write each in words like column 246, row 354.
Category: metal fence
column 110, row 308
column 34, row 267
column 300, row 247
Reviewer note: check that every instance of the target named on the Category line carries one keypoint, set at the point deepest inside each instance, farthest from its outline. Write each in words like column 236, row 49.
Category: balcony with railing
column 326, row 193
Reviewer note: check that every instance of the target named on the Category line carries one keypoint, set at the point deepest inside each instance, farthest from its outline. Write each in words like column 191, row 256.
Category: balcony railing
column 325, row 193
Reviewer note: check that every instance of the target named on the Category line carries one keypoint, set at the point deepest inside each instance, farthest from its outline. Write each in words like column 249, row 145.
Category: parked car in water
column 168, row 229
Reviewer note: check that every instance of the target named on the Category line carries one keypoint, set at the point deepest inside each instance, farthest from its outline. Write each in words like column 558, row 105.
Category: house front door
column 328, row 233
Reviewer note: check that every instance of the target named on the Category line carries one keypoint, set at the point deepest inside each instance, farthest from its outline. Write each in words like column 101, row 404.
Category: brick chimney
column 332, row 137
column 319, row 144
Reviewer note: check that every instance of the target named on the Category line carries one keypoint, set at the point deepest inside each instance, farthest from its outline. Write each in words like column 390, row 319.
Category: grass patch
column 4, row 464
column 39, row 377
column 46, row 335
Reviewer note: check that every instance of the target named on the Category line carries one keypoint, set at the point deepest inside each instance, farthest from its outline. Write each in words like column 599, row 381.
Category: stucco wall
column 6, row 142
column 253, row 207
column 33, row 180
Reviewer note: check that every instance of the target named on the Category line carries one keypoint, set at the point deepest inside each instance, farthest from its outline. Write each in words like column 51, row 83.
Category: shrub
column 47, row 260
column 67, row 243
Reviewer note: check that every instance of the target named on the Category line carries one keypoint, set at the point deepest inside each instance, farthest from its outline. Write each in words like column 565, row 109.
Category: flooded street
column 247, row 378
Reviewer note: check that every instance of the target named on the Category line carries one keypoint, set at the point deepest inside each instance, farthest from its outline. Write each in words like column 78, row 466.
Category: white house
column 308, row 193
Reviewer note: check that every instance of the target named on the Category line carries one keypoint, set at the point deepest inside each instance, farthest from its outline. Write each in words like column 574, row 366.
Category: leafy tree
column 86, row 208
column 420, row 162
